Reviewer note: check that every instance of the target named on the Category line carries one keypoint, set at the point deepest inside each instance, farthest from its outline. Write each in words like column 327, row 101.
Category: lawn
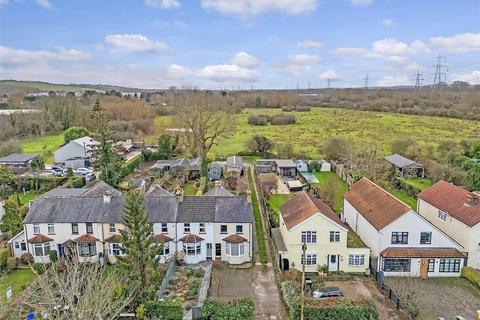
column 419, row 183
column 190, row 189
column 262, row 251
column 410, row 201
column 43, row 145
column 276, row 200
column 29, row 196
column 340, row 184
column 17, row 279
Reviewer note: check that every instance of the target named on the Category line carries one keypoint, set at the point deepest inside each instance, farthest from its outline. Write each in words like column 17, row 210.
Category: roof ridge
column 389, row 194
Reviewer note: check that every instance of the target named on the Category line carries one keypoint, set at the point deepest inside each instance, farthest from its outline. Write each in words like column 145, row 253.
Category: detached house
column 88, row 221
column 402, row 242
column 307, row 220
column 456, row 212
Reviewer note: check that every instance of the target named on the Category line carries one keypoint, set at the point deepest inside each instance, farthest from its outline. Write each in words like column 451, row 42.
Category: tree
column 12, row 220
column 165, row 147
column 260, row 145
column 37, row 164
column 473, row 150
column 8, row 182
column 205, row 117
column 106, row 159
column 406, row 146
column 73, row 133
column 74, row 290
column 139, row 245
column 9, row 147
column 472, row 180
column 336, row 148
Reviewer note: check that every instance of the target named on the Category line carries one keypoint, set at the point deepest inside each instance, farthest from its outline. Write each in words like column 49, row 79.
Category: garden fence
column 170, row 271
column 386, row 290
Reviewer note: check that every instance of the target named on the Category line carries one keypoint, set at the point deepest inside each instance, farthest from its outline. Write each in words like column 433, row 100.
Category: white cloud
column 388, row 22
column 44, row 4
column 167, row 24
column 418, row 47
column 19, row 56
column 459, row 43
column 472, row 78
column 133, row 43
column 245, row 60
column 353, row 52
column 304, row 59
column 400, row 63
column 247, row 8
column 228, row 72
column 329, row 74
column 383, row 48
column 165, row 4
column 309, row 44
column 176, row 71
column 390, row 81
column 389, row 46
column 361, row 3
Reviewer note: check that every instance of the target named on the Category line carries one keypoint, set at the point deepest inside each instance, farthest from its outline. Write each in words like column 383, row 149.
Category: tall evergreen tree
column 138, row 244
column 105, row 158
column 12, row 220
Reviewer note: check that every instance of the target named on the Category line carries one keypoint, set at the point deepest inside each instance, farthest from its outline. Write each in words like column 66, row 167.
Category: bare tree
column 205, row 117
column 73, row 290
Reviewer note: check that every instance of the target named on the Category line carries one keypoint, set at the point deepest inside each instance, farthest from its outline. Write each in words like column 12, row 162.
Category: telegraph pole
column 441, row 69
column 302, row 305
column 365, row 85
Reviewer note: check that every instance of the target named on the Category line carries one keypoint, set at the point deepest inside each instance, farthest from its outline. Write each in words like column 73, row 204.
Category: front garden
column 184, row 286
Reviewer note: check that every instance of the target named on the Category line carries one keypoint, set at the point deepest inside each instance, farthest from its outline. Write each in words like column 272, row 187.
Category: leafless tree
column 205, row 117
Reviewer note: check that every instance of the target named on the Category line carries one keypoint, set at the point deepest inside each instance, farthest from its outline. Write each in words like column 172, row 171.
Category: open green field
column 17, row 279
column 314, row 127
column 41, row 145
column 341, row 187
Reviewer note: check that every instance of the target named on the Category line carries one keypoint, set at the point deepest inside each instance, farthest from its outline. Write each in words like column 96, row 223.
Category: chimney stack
column 178, row 192
column 107, row 196
column 473, row 199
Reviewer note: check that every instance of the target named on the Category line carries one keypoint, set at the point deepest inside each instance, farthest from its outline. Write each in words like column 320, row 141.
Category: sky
column 239, row 44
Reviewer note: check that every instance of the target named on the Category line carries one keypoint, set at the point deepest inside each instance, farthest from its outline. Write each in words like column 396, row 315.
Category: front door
column 218, row 250
column 61, row 250
column 423, row 268
column 209, row 251
column 333, row 263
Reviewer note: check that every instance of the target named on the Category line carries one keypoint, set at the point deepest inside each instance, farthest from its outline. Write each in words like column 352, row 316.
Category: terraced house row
column 217, row 225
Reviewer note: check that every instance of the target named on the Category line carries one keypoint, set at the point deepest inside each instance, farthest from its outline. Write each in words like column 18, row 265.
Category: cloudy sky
column 238, row 43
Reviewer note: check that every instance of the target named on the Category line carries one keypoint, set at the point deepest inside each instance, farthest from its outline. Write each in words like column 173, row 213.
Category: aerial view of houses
column 240, row 160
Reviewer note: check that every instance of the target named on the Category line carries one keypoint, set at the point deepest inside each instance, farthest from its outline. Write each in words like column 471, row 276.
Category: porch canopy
column 162, row 238
column 421, row 253
column 39, row 238
column 191, row 238
column 85, row 238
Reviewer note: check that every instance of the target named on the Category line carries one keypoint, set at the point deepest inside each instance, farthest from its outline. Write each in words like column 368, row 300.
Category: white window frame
column 116, row 249
column 336, row 236
column 164, row 227
column 76, row 226
column 111, row 228
column 442, row 215
column 43, row 247
column 202, row 228
column 308, row 237
column 192, row 249
column 311, row 259
column 235, row 249
column 237, row 227
column 36, row 228
column 51, row 228
column 84, row 247
column 226, row 229
column 356, row 260
column 87, row 226
column 186, row 228
column 166, row 249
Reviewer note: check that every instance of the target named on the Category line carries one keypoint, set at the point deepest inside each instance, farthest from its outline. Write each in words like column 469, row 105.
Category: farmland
column 42, row 145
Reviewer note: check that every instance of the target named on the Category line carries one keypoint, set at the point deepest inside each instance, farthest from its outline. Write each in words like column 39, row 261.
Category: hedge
column 471, row 275
column 202, row 186
column 130, row 166
column 243, row 309
column 258, row 220
column 168, row 310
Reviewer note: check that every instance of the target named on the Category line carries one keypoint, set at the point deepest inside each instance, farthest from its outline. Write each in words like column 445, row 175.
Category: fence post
column 398, row 303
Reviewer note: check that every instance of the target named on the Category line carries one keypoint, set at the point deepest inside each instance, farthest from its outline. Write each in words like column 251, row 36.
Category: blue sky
column 238, row 43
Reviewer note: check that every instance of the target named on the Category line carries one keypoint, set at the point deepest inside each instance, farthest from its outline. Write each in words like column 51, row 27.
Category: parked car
column 58, row 171
column 83, row 171
column 327, row 292
column 90, row 177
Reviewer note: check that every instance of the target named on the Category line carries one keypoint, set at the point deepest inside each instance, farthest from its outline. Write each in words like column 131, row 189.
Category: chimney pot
column 107, row 196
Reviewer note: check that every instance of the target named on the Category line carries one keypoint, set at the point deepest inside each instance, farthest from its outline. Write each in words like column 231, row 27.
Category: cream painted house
column 456, row 212
column 403, row 243
column 307, row 220
column 88, row 221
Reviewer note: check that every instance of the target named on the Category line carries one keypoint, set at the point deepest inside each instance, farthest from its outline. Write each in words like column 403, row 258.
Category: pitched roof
column 234, row 238
column 86, row 141
column 303, row 206
column 192, row 164
column 161, row 238
column 285, row 163
column 219, row 191
column 191, row 238
column 453, row 200
column 379, row 207
column 116, row 238
column 412, row 252
column 40, row 238
column 400, row 161
column 214, row 209
column 18, row 157
column 158, row 191
column 86, row 238
column 234, row 161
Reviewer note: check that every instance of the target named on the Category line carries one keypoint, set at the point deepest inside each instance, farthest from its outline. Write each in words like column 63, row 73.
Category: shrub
column 257, row 120
column 288, row 108
column 202, row 185
column 243, row 309
column 26, row 258
column 192, row 290
column 130, row 166
column 53, row 255
column 302, row 108
column 39, row 268
column 283, row 119
column 12, row 263
column 471, row 275
column 168, row 310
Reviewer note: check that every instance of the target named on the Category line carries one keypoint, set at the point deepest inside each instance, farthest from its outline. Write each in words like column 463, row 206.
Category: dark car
column 327, row 292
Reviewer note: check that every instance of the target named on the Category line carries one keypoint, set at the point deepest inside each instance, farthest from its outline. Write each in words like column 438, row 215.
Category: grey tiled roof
column 234, row 161
column 400, row 161
column 18, row 157
column 219, row 191
column 189, row 164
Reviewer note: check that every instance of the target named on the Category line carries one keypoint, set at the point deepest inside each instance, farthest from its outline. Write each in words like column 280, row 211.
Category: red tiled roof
column 86, row 238
column 303, row 206
column 376, row 205
column 421, row 253
column 453, row 200
column 116, row 238
column 234, row 238
column 191, row 238
column 40, row 238
column 162, row 238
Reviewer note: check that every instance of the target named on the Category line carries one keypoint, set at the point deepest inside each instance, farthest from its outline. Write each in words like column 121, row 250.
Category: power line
column 365, row 85
column 328, row 83
column 418, row 80
column 441, row 68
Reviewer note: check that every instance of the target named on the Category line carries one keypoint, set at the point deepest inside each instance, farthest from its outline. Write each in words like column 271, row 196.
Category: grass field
column 419, row 183
column 262, row 251
column 42, row 144
column 276, row 200
column 17, row 279
column 29, row 196
column 341, row 187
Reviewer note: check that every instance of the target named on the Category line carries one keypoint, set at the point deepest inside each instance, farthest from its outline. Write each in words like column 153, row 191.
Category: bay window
column 87, row 249
column 235, row 249
column 41, row 249
column 192, row 249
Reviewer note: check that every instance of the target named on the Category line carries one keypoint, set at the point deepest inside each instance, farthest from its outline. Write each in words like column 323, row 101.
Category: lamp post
column 302, row 304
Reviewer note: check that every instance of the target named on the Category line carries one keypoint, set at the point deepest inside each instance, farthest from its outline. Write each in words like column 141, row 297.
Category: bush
column 302, row 108
column 288, row 108
column 192, row 289
column 258, row 120
column 168, row 310
column 243, row 309
column 39, row 268
column 130, row 166
column 202, row 186
column 12, row 263
column 471, row 275
column 26, row 258
column 283, row 119
column 53, row 255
